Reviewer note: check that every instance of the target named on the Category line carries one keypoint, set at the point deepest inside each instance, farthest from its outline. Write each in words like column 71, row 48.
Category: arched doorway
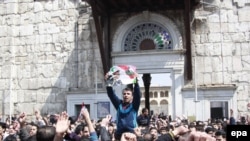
column 153, row 44
column 154, row 107
column 164, row 107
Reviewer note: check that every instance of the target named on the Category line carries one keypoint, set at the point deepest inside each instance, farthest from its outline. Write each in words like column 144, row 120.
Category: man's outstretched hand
column 63, row 123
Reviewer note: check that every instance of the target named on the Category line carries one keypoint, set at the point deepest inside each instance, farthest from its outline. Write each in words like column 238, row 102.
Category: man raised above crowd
column 127, row 108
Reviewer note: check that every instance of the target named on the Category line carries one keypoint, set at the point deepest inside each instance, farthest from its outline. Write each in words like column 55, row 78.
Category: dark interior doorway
column 79, row 107
column 217, row 113
column 219, row 109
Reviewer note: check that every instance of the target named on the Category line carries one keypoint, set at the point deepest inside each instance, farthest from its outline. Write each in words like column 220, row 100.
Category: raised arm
column 23, row 132
column 111, row 94
column 62, row 126
column 104, row 126
column 93, row 135
column 137, row 96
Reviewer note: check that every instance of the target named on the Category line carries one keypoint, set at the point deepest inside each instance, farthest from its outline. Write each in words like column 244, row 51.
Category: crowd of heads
column 150, row 128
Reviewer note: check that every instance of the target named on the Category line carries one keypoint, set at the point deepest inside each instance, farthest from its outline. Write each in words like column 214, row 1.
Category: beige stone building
column 160, row 100
column 53, row 54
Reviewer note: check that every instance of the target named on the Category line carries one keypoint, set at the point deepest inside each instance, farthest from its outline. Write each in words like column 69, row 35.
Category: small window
column 155, row 95
column 166, row 93
column 150, row 94
column 162, row 94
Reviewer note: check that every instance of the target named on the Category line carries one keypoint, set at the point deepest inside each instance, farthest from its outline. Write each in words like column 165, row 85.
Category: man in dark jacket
column 143, row 119
column 127, row 108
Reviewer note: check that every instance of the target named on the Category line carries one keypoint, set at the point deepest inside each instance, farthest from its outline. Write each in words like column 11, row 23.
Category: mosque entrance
column 153, row 44
column 160, row 98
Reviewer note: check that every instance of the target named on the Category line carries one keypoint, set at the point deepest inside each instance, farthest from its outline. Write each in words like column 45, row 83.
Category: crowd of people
column 128, row 125
column 160, row 127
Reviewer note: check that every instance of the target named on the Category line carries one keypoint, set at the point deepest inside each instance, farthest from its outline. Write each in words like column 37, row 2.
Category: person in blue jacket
column 127, row 108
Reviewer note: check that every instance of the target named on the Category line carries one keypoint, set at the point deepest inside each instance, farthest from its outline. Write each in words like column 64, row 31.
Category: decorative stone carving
column 170, row 35
column 158, row 34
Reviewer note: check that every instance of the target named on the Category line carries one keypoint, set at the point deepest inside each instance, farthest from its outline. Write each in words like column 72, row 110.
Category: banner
column 122, row 75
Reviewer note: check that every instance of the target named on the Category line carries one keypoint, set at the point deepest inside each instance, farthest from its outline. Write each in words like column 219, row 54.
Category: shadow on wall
column 77, row 71
column 77, row 56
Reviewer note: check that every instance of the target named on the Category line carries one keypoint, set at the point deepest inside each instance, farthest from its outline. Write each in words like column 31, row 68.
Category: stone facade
column 49, row 49
column 221, row 46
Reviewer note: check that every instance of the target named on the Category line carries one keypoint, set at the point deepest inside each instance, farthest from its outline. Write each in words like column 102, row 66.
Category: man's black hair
column 208, row 129
column 144, row 110
column 52, row 119
column 10, row 138
column 128, row 89
column 73, row 119
column 3, row 125
column 45, row 133
column 220, row 133
column 79, row 128
column 148, row 137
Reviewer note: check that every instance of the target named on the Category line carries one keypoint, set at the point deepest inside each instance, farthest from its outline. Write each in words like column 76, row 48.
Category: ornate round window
column 148, row 36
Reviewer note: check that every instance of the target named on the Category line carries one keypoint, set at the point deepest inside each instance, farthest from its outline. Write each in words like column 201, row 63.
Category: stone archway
column 146, row 58
column 154, row 106
column 164, row 107
column 157, row 20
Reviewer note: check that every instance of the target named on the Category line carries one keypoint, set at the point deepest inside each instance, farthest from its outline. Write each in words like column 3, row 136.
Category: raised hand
column 138, row 131
column 128, row 137
column 38, row 115
column 199, row 136
column 105, row 121
column 21, row 119
column 62, row 123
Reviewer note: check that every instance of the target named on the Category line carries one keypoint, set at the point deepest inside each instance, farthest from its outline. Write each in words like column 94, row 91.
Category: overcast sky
column 161, row 79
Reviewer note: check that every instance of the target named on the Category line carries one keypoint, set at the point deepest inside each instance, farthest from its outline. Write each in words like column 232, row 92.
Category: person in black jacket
column 143, row 119
column 127, row 108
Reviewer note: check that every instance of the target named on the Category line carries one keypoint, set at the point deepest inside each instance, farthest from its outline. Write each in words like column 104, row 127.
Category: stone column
column 177, row 99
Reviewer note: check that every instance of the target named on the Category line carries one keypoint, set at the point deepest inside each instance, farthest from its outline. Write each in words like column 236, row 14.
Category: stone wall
column 47, row 48
column 221, row 36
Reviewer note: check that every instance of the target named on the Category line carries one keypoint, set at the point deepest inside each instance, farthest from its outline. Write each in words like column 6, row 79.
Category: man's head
column 210, row 131
column 45, row 133
column 164, row 130
column 33, row 129
column 215, row 126
column 85, row 131
column 220, row 135
column 154, row 132
column 11, row 130
column 82, row 130
column 2, row 127
column 148, row 137
column 10, row 138
column 127, row 95
column 145, row 111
